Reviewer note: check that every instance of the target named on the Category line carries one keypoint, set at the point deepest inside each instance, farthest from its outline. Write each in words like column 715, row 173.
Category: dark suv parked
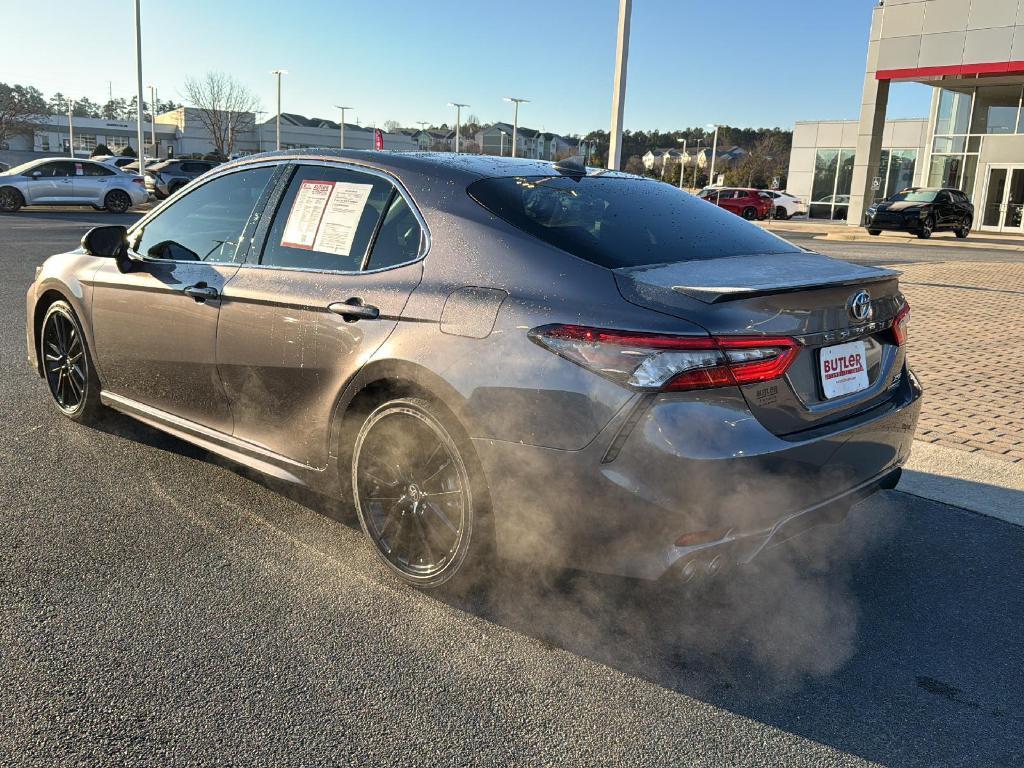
column 922, row 211
column 166, row 178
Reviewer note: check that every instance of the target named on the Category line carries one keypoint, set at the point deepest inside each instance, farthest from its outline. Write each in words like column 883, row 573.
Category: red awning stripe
column 954, row 70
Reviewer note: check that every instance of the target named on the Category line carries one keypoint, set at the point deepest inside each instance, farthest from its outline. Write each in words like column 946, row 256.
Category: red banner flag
column 378, row 139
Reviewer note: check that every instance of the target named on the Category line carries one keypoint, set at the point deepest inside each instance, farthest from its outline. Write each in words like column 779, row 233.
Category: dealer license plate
column 844, row 369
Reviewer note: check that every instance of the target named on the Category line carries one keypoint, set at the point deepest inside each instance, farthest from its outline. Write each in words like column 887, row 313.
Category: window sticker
column 325, row 215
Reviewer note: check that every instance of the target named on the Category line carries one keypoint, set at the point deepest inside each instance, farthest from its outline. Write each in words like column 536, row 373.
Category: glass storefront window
column 945, row 171
column 833, row 178
column 901, row 170
column 954, row 114
column 995, row 109
column 949, row 145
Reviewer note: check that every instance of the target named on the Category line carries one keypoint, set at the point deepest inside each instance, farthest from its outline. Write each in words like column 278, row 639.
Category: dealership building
column 971, row 52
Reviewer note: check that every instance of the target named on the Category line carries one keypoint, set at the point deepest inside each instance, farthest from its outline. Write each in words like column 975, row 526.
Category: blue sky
column 691, row 61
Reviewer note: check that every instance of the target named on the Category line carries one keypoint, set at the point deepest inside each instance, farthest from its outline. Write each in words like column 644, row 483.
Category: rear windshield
column 622, row 222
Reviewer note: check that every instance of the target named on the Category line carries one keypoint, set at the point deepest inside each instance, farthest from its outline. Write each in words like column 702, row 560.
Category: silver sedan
column 70, row 182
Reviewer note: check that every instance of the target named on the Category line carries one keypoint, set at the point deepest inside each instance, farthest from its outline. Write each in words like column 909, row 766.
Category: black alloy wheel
column 964, row 229
column 749, row 213
column 117, row 201
column 65, row 361
column 10, row 200
column 780, row 213
column 413, row 493
column 927, row 226
column 874, row 232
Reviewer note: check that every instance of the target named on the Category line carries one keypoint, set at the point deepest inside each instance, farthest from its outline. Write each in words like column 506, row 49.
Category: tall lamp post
column 279, row 72
column 458, row 122
column 714, row 150
column 152, row 113
column 515, row 120
column 619, row 86
column 682, row 162
column 71, row 128
column 341, row 128
column 138, row 72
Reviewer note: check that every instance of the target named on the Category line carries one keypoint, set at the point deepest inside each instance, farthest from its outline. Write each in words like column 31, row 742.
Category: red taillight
column 900, row 323
column 661, row 362
column 139, row 180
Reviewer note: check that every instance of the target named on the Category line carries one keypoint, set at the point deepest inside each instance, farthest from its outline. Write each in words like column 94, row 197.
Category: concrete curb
column 865, row 238
column 971, row 481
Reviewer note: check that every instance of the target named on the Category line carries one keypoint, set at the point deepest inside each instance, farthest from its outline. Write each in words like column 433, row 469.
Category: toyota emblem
column 860, row 306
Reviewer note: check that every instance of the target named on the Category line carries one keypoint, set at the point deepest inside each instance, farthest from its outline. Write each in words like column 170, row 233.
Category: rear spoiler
column 739, row 277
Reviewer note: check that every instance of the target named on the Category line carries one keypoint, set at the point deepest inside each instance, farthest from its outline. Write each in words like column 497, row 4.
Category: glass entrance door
column 1003, row 210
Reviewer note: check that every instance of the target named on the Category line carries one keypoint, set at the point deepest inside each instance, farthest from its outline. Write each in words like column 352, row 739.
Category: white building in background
column 971, row 52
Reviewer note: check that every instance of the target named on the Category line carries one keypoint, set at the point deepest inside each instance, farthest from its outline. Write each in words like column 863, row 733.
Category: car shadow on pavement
column 894, row 636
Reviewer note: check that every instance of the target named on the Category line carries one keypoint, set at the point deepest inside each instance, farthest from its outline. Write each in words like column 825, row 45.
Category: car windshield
column 622, row 221
column 920, row 196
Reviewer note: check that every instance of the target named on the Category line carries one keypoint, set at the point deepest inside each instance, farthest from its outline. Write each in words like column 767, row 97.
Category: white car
column 114, row 161
column 786, row 205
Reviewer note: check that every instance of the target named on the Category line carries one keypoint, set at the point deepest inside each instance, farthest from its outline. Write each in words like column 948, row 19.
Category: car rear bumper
column 698, row 465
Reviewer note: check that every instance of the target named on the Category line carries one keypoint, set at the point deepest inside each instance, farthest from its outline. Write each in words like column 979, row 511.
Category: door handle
column 201, row 292
column 353, row 309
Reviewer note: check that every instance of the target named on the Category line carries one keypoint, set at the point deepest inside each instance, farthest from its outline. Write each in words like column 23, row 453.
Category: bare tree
column 392, row 126
column 21, row 109
column 225, row 107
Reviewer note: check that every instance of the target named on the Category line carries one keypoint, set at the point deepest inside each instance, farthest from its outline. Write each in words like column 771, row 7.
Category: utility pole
column 152, row 112
column 138, row 71
column 458, row 122
column 71, row 128
column 279, row 72
column 619, row 86
column 341, row 128
column 515, row 121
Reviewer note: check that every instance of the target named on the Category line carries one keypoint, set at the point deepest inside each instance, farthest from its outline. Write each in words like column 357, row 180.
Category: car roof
column 445, row 164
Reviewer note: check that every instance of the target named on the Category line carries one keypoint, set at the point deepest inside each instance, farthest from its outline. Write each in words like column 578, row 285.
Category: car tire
column 927, row 227
column 11, row 200
column 117, row 201
column 780, row 213
column 874, row 232
column 420, row 499
column 963, row 230
column 749, row 213
column 67, row 365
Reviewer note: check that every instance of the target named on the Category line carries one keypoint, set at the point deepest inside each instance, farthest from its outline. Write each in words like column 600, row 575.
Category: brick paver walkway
column 967, row 347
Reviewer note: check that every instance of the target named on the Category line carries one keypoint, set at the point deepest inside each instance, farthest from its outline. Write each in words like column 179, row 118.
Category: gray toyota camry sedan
column 492, row 357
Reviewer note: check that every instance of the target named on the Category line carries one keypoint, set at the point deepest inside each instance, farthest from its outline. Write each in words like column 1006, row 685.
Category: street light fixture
column 458, row 122
column 341, row 131
column 682, row 162
column 279, row 72
column 515, row 120
column 619, row 85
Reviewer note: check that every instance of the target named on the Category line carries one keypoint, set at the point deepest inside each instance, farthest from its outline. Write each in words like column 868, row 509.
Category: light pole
column 138, row 72
column 259, row 131
column 458, row 122
column 152, row 113
column 341, row 128
column 515, row 120
column 71, row 128
column 278, row 72
column 682, row 162
column 619, row 85
column 714, row 149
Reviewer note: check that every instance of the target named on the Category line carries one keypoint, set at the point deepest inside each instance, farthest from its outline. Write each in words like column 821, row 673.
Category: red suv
column 748, row 203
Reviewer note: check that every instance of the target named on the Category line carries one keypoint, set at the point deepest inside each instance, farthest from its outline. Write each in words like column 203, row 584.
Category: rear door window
column 95, row 169
column 618, row 221
column 326, row 220
column 399, row 239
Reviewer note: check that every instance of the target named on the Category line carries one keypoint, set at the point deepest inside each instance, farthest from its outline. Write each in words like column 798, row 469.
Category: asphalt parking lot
column 159, row 606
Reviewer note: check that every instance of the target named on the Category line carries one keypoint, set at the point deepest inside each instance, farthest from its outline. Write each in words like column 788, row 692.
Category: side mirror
column 111, row 242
